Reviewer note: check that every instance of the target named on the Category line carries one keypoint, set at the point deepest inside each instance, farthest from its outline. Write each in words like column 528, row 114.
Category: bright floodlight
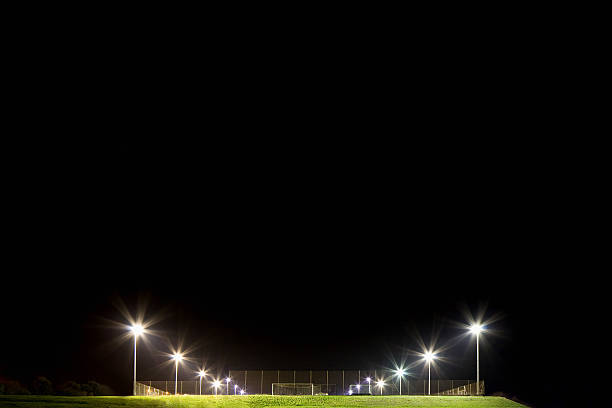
column 202, row 373
column 380, row 384
column 400, row 372
column 137, row 329
column 429, row 356
column 227, row 380
column 216, row 383
column 475, row 328
column 368, row 380
column 177, row 357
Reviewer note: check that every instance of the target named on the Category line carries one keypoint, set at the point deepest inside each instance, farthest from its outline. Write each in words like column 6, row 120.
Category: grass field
column 254, row 401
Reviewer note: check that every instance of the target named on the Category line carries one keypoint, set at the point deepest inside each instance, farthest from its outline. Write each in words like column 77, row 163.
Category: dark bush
column 42, row 386
column 102, row 389
column 92, row 388
column 71, row 388
column 13, row 388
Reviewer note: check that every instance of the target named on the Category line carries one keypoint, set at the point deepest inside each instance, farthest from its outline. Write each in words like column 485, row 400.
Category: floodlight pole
column 176, row 378
column 200, row 385
column 477, row 365
column 400, row 380
column 429, row 379
column 135, row 338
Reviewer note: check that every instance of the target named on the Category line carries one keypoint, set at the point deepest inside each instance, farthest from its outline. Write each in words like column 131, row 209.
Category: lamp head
column 429, row 356
column 476, row 328
column 137, row 329
column 177, row 357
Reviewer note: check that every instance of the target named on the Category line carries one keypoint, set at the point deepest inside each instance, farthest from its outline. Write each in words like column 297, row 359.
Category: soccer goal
column 360, row 389
column 296, row 389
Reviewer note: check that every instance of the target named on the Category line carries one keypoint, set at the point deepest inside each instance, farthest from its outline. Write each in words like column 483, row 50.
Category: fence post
column 342, row 382
column 327, row 382
column 261, row 387
column 245, row 379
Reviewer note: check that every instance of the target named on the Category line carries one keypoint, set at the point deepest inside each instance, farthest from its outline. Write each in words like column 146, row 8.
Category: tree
column 42, row 386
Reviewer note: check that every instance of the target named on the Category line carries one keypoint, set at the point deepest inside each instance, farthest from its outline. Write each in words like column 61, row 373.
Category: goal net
column 296, row 389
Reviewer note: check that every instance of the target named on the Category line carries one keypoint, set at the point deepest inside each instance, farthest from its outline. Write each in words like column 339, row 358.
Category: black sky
column 302, row 262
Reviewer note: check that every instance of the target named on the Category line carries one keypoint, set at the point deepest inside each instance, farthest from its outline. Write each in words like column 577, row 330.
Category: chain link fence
column 326, row 382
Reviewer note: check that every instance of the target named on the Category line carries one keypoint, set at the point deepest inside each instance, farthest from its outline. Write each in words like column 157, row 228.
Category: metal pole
column 135, row 338
column 200, row 385
column 400, row 380
column 477, row 363
column 429, row 379
column 176, row 379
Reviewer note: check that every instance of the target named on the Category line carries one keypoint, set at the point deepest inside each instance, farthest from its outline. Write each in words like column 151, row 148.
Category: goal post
column 296, row 389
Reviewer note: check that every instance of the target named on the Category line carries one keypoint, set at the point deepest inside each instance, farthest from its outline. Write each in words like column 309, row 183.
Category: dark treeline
column 44, row 386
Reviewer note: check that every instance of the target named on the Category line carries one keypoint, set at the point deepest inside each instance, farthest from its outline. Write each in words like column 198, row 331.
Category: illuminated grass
column 255, row 401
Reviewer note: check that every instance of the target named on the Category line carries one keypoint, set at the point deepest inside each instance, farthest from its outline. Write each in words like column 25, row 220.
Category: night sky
column 292, row 254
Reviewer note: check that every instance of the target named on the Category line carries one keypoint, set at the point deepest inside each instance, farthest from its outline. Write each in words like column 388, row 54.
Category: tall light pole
column 176, row 357
column 235, row 386
column 202, row 373
column 137, row 330
column 227, row 381
column 400, row 373
column 429, row 356
column 369, row 386
column 476, row 329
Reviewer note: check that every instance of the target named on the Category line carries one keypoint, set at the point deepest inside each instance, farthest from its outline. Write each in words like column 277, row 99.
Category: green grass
column 254, row 401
